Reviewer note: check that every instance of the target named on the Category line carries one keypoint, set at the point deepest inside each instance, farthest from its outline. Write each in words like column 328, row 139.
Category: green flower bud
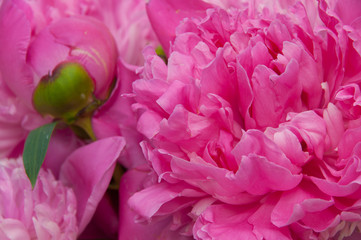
column 64, row 93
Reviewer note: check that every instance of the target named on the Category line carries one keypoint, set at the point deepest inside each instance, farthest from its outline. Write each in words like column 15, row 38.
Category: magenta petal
column 38, row 56
column 255, row 143
column 259, row 176
column 348, row 141
column 263, row 227
column 129, row 228
column 148, row 124
column 334, row 124
column 335, row 189
column 63, row 142
column 215, row 78
column 153, row 200
column 116, row 118
column 14, row 40
column 296, row 203
column 104, row 224
column 10, row 136
column 225, row 222
column 217, row 182
column 88, row 171
column 291, row 146
column 348, row 10
column 92, row 45
column 166, row 15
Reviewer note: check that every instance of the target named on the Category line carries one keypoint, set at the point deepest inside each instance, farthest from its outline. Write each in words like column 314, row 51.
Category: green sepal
column 36, row 146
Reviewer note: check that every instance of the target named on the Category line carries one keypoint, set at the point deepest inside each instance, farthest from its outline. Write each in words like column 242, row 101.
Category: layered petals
column 46, row 212
column 257, row 109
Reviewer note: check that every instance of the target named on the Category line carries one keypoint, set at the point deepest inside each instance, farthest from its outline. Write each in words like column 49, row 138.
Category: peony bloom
column 252, row 127
column 56, row 209
column 34, row 43
column 47, row 212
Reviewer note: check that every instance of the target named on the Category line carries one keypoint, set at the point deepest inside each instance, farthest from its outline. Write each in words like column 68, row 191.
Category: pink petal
column 88, row 171
column 311, row 128
column 334, row 124
column 218, row 182
column 45, row 53
column 255, row 143
column 15, row 33
column 296, row 203
column 225, row 222
column 348, row 141
column 216, row 79
column 63, row 142
column 129, row 226
column 290, row 146
column 166, row 15
column 348, row 10
column 116, row 118
column 13, row 229
column 263, row 227
column 92, row 45
column 274, row 95
column 148, row 124
column 188, row 130
column 104, row 223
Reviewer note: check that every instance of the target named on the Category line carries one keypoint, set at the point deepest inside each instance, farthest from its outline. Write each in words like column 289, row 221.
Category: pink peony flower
column 56, row 209
column 34, row 42
column 252, row 127
column 47, row 212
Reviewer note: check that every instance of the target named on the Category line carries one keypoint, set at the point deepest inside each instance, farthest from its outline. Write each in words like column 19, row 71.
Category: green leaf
column 35, row 149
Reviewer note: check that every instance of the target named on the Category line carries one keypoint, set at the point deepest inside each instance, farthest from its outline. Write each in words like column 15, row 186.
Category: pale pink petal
column 13, row 229
column 46, row 212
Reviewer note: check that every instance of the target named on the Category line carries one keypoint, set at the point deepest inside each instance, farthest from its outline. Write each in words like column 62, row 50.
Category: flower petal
column 88, row 171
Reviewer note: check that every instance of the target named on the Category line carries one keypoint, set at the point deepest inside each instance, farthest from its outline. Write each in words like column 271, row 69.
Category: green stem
column 85, row 124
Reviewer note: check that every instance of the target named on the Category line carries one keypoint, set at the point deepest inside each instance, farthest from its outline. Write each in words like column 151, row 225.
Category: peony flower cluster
column 192, row 119
column 252, row 127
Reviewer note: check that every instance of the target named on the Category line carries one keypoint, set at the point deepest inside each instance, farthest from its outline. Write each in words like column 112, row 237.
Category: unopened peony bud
column 64, row 93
